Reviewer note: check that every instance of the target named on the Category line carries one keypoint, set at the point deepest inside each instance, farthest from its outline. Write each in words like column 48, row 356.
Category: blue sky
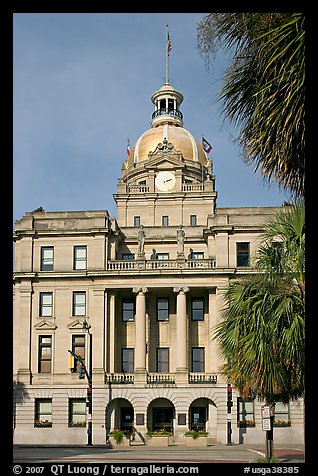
column 82, row 86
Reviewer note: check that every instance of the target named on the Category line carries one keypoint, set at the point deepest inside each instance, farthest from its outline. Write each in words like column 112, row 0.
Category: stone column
column 181, row 330
column 140, row 321
column 111, row 331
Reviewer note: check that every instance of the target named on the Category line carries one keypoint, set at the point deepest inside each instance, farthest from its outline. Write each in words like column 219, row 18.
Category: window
column 142, row 182
column 163, row 309
column 243, row 254
column 45, row 354
column 80, row 254
column 162, row 255
column 165, row 220
column 162, row 360
column 197, row 309
column 77, row 412
column 128, row 309
column 43, row 413
column 193, row 220
column 197, row 255
column 128, row 256
column 127, row 360
column 245, row 412
column 137, row 222
column 79, row 303
column 46, row 304
column 47, row 255
column 281, row 414
column 78, row 348
column 197, row 359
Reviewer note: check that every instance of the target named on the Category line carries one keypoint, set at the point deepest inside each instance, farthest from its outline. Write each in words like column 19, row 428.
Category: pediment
column 76, row 325
column 45, row 325
column 164, row 156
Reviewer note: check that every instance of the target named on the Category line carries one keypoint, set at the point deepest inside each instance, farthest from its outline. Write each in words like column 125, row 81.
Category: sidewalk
column 286, row 453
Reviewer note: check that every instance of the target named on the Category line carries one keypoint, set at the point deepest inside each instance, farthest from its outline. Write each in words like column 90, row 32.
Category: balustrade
column 118, row 265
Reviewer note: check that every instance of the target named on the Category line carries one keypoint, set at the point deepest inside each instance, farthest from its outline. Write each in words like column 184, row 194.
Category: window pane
column 45, row 367
column 79, row 303
column 163, row 360
column 47, row 259
column 77, row 411
column 193, row 220
column 162, row 256
column 46, row 300
column 197, row 359
column 197, row 311
column 163, row 309
column 165, row 221
column 128, row 309
column 43, row 412
column 127, row 360
column 80, row 257
column 128, row 256
column 243, row 254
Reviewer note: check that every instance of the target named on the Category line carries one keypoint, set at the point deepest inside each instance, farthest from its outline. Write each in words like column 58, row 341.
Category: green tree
column 262, row 331
column 263, row 90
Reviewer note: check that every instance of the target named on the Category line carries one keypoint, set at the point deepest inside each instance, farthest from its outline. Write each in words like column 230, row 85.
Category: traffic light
column 229, row 395
column 89, row 398
column 71, row 363
column 82, row 372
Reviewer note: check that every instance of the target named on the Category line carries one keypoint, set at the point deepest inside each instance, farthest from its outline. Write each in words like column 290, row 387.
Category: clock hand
column 167, row 180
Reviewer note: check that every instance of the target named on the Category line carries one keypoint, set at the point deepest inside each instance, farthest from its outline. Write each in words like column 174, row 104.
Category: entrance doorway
column 126, row 419
column 162, row 418
column 198, row 418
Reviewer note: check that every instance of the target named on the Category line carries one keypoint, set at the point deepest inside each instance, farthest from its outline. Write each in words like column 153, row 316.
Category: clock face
column 165, row 181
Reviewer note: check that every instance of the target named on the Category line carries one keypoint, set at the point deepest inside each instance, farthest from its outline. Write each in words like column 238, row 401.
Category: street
column 136, row 454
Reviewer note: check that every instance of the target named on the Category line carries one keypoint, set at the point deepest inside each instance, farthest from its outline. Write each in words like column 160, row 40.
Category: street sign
column 265, row 411
column 266, row 424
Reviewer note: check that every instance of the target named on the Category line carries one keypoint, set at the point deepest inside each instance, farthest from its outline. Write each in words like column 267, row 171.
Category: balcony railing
column 120, row 378
column 202, row 378
column 162, row 378
column 169, row 112
column 130, row 265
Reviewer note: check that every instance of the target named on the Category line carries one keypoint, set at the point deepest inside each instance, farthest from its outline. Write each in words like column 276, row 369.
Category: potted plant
column 159, row 437
column 196, row 437
column 118, row 437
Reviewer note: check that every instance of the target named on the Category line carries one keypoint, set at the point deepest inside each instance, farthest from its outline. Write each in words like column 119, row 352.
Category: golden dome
column 182, row 140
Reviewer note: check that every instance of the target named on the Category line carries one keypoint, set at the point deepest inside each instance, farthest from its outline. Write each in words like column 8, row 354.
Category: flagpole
column 167, row 55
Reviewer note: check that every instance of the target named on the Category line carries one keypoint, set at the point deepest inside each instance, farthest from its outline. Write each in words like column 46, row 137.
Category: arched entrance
column 119, row 415
column 160, row 415
column 202, row 416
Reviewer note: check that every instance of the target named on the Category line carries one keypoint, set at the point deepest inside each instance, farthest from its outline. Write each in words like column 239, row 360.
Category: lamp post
column 89, row 400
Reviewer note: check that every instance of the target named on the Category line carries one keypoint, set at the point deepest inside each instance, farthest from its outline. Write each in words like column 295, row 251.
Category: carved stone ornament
column 165, row 148
column 139, row 289
column 180, row 289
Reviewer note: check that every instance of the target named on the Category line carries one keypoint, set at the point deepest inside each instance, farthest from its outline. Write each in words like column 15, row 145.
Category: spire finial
column 168, row 50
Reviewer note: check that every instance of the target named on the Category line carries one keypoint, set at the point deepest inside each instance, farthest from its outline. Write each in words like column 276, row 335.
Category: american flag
column 169, row 46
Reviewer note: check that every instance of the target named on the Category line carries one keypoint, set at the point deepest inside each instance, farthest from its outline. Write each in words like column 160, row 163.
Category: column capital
column 180, row 289
column 139, row 289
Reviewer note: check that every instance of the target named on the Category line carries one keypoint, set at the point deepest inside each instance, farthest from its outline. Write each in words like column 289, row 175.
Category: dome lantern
column 167, row 103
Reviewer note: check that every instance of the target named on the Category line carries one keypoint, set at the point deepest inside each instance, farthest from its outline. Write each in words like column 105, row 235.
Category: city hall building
column 136, row 297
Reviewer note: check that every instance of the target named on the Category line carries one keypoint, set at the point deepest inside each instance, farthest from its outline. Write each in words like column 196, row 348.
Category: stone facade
column 148, row 295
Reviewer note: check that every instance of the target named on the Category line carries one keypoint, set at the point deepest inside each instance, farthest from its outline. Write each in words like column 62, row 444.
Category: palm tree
column 263, row 89
column 261, row 335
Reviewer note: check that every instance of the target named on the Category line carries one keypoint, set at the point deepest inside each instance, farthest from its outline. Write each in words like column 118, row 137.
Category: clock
column 165, row 181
